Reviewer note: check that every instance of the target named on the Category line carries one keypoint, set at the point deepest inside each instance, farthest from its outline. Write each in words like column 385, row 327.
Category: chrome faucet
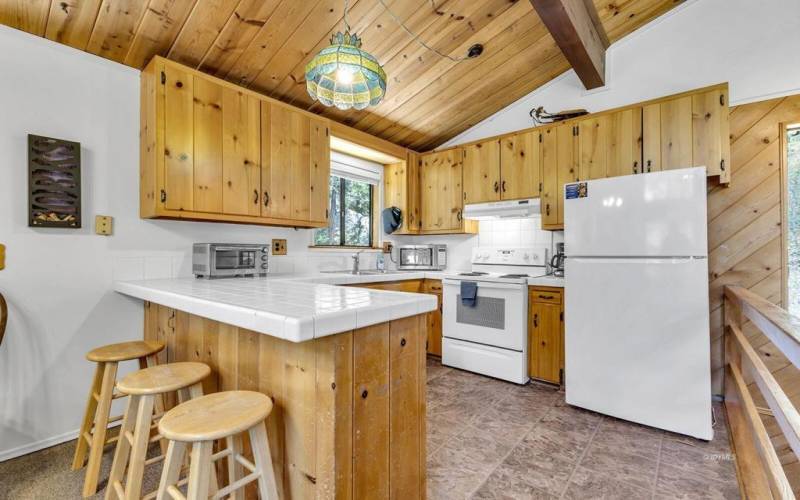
column 356, row 258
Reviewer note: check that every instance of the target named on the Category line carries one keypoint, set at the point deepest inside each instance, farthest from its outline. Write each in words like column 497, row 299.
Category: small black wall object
column 392, row 218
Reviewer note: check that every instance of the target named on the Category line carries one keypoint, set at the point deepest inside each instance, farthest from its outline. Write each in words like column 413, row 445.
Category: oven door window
column 489, row 312
column 235, row 259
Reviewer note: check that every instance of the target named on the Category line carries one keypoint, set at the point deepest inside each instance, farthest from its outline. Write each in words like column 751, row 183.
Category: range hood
column 515, row 209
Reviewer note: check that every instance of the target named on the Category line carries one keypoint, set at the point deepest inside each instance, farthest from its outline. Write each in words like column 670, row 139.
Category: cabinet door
column 549, row 169
column 320, row 169
column 207, row 146
column 567, row 161
column 519, row 166
column 651, row 138
column 624, row 143
column 241, row 153
column 482, row 172
column 545, row 342
column 442, row 191
column 434, row 320
column 401, row 190
column 711, row 132
column 412, row 179
column 676, row 133
column 178, row 139
column 593, row 145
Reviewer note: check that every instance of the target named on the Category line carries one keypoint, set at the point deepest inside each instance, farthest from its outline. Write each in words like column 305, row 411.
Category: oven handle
column 487, row 284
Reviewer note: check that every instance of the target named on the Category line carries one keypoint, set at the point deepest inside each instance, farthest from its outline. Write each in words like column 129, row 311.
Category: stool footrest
column 118, row 489
column 236, row 485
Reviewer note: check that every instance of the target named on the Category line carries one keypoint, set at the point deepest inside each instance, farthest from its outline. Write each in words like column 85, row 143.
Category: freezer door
column 637, row 341
column 661, row 214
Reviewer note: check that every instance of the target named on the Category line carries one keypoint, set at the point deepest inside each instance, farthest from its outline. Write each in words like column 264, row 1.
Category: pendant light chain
column 413, row 35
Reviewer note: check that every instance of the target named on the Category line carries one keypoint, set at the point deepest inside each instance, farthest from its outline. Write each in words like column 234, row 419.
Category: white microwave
column 422, row 257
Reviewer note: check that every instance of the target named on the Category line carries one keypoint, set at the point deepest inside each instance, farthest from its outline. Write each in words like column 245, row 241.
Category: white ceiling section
column 752, row 45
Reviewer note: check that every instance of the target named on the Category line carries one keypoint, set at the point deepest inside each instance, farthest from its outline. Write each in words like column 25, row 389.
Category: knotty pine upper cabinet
column 520, row 166
column 209, row 148
column 624, row 153
column 559, row 160
column 482, row 172
column 401, row 184
column 442, row 195
column 688, row 130
column 296, row 164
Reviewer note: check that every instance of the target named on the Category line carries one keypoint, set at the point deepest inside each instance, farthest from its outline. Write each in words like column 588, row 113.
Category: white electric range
column 491, row 337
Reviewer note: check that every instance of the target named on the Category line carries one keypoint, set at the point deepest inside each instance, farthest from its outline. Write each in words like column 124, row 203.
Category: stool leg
column 267, row 489
column 88, row 419
column 100, row 428
column 123, row 451
column 195, row 391
column 234, row 467
column 149, row 362
column 141, row 438
column 199, row 470
column 173, row 463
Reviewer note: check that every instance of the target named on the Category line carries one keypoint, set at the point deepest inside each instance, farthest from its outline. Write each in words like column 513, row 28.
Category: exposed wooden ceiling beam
column 577, row 30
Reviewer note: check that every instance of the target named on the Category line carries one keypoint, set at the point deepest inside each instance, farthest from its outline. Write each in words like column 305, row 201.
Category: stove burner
column 514, row 276
column 473, row 273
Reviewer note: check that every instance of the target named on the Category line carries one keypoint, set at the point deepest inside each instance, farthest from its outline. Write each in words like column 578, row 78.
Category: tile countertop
column 290, row 308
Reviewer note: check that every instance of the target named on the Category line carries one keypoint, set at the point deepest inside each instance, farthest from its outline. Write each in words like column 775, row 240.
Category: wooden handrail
column 3, row 317
column 782, row 328
column 751, row 441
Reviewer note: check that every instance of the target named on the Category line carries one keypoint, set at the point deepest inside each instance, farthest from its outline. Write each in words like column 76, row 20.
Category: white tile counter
column 291, row 308
column 553, row 281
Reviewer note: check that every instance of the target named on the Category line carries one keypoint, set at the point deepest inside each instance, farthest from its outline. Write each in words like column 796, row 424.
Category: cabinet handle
column 163, row 196
column 546, row 297
column 458, row 215
column 496, row 186
column 547, row 209
column 504, row 186
column 636, row 167
column 536, row 320
column 266, row 199
column 255, row 196
column 649, row 163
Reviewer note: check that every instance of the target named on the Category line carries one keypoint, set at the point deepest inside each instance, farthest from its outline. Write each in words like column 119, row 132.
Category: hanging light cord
column 413, row 35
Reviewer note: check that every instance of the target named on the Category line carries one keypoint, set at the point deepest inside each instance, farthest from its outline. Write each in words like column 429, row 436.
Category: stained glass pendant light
column 345, row 76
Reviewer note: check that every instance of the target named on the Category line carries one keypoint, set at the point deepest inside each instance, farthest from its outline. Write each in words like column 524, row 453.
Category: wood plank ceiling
column 265, row 45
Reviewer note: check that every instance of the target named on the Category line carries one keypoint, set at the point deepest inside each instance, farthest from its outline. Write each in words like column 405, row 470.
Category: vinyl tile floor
column 489, row 439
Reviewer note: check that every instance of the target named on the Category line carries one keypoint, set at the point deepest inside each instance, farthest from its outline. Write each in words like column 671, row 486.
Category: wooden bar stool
column 144, row 387
column 200, row 422
column 92, row 437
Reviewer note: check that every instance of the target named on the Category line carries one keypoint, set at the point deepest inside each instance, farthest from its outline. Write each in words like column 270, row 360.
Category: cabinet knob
column 364, row 394
column 402, row 342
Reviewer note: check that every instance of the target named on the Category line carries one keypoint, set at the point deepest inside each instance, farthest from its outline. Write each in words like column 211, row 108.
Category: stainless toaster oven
column 224, row 260
column 422, row 257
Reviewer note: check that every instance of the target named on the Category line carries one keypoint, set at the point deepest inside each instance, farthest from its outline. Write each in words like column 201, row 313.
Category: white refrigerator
column 637, row 342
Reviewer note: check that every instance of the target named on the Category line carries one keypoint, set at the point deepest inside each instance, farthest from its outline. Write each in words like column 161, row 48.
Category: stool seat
column 215, row 416
column 124, row 351
column 163, row 378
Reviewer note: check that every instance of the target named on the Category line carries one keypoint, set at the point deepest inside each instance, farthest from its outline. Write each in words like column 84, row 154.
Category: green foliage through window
column 350, row 215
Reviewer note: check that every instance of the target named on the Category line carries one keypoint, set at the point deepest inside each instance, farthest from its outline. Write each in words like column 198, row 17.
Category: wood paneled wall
column 349, row 409
column 745, row 240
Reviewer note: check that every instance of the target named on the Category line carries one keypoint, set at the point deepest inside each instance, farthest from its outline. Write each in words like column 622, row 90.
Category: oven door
column 498, row 319
column 231, row 261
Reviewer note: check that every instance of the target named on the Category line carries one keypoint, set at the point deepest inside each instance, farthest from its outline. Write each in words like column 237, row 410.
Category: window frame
column 342, row 233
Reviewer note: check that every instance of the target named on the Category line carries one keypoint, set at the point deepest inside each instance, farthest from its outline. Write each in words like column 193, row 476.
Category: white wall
column 58, row 281
column 752, row 45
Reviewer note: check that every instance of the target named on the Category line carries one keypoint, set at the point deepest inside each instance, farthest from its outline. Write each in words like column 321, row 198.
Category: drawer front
column 545, row 295
column 432, row 286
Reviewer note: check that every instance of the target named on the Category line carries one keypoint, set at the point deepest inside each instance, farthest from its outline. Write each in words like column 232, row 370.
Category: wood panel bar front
column 349, row 409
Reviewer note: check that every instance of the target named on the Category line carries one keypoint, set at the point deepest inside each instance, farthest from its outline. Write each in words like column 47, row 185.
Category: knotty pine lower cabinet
column 348, row 420
column 546, row 334
column 433, row 319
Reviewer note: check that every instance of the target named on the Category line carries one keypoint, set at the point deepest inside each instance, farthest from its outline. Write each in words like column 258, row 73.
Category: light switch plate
column 2, row 256
column 103, row 225
column 278, row 247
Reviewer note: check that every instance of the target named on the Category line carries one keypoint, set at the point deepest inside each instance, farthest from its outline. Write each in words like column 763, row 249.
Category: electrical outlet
column 278, row 247
column 387, row 247
column 2, row 256
column 103, row 225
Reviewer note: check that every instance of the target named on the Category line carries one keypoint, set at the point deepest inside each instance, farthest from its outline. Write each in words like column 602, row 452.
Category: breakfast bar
column 345, row 368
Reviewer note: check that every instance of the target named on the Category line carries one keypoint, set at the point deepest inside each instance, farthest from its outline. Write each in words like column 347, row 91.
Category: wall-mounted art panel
column 54, row 182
